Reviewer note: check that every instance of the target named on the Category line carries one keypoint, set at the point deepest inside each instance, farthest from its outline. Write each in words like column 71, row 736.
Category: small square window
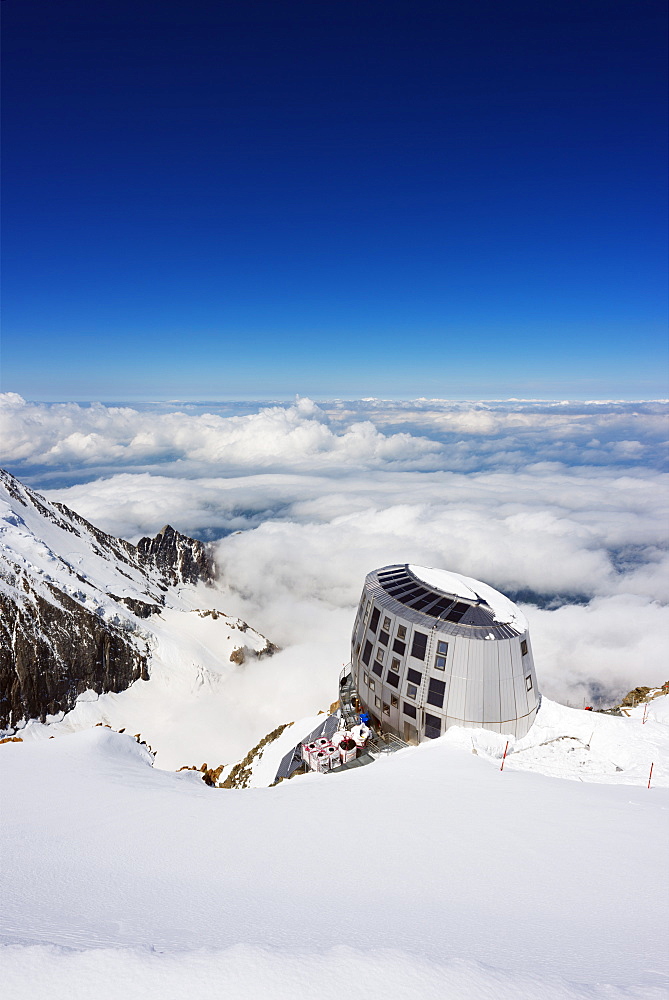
column 399, row 647
column 412, row 691
column 440, row 662
column 377, row 669
column 528, row 682
column 367, row 653
column 365, row 677
column 442, row 648
column 393, row 679
column 379, row 654
column 386, row 624
column 523, row 647
column 410, row 710
column 377, row 701
column 372, row 684
column 386, row 708
column 394, row 701
column 384, row 637
column 401, row 632
column 395, row 664
column 414, row 676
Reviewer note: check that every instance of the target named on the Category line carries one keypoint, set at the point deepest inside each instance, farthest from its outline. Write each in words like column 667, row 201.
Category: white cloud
column 563, row 499
column 305, row 437
column 299, row 436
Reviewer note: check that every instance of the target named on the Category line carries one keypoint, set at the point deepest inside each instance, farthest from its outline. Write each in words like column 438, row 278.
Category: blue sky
column 246, row 199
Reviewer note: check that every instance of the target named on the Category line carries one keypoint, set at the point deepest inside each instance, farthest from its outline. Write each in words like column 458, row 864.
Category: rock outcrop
column 74, row 600
column 177, row 557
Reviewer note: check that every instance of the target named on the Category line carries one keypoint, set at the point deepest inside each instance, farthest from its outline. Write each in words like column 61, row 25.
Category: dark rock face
column 179, row 558
column 51, row 653
column 63, row 629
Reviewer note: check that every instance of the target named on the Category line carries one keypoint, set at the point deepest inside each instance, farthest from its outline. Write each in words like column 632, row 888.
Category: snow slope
column 186, row 709
column 428, row 874
column 52, row 559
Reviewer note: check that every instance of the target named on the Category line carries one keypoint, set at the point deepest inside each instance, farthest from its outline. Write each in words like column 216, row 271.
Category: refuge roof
column 450, row 597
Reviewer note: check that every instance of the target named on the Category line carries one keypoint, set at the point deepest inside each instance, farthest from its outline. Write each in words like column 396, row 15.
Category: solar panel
column 439, row 608
column 403, row 587
column 456, row 612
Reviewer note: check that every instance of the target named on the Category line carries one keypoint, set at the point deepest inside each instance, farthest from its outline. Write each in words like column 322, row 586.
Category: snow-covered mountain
column 93, row 626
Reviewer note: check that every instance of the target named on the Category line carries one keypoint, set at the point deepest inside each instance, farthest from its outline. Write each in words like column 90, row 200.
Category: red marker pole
column 651, row 773
column 504, row 755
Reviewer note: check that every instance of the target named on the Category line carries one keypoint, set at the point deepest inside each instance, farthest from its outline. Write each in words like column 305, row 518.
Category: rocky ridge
column 74, row 602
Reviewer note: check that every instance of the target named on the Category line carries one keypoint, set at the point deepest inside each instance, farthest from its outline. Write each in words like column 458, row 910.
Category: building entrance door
column 410, row 733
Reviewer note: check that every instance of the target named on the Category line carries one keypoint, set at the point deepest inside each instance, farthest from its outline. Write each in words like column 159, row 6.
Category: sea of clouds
column 563, row 505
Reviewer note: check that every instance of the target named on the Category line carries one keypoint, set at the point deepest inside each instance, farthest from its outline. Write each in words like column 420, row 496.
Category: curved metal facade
column 424, row 660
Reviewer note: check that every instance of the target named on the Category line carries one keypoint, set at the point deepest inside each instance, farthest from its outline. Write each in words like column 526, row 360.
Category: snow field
column 427, row 874
column 245, row 972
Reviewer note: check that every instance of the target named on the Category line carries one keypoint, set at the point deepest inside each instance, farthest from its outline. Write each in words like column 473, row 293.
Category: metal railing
column 377, row 742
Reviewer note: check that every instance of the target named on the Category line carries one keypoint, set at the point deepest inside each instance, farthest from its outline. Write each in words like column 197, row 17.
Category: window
column 401, row 632
column 442, row 648
column 377, row 701
column 399, row 647
column 393, row 679
column 414, row 676
column 419, row 645
column 435, row 693
column 528, row 682
column 379, row 654
column 386, row 624
column 523, row 647
column 412, row 691
column 367, row 608
column 384, row 637
column 377, row 668
column 372, row 684
column 374, row 620
column 410, row 710
column 365, row 677
column 432, row 726
column 440, row 662
column 395, row 664
column 394, row 701
column 367, row 653
column 386, row 708
column 357, row 648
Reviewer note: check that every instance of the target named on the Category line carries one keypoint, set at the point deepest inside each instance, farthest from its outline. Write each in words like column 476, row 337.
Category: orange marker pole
column 651, row 773
column 504, row 756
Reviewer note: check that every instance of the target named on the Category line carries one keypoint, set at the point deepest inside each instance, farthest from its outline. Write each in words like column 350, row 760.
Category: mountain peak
column 72, row 601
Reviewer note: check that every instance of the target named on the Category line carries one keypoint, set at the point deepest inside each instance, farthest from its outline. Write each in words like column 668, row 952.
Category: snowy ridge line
column 95, row 629
column 582, row 746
